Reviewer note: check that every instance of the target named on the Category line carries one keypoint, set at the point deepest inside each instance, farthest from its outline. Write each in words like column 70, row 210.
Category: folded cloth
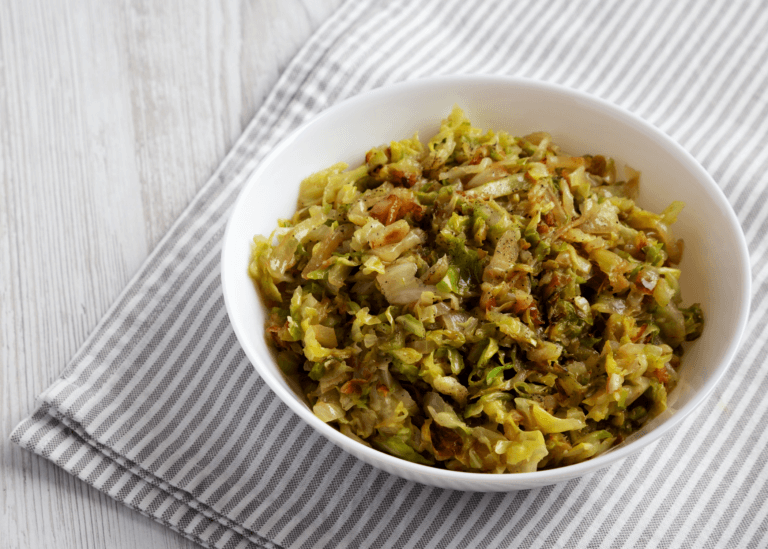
column 162, row 411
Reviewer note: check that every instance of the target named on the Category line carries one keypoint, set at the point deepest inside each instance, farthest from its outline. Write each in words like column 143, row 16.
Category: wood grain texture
column 112, row 115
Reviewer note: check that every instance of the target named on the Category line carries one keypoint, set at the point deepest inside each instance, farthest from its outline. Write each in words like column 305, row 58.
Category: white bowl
column 715, row 262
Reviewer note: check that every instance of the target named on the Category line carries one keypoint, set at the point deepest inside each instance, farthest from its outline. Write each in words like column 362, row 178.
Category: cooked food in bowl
column 481, row 303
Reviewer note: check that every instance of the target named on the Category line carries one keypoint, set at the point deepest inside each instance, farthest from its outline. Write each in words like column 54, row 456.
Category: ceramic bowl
column 715, row 263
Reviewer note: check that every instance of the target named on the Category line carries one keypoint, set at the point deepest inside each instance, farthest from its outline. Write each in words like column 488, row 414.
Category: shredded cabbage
column 480, row 303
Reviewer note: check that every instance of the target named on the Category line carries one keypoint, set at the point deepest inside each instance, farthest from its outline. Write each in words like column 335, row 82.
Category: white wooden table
column 112, row 115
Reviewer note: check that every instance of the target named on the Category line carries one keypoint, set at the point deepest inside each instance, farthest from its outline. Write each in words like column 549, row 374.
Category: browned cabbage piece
column 481, row 302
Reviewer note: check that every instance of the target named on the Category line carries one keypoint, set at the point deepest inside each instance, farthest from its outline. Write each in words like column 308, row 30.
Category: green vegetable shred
column 481, row 302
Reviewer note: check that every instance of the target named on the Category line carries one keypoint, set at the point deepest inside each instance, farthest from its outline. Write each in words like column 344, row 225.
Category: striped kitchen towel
column 161, row 410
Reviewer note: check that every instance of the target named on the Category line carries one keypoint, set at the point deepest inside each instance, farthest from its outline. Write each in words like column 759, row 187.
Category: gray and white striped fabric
column 162, row 411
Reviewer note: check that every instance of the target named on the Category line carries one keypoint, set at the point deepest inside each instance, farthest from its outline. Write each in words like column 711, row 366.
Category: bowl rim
column 513, row 480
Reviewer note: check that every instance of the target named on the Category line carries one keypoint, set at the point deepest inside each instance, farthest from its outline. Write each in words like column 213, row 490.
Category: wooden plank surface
column 112, row 115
